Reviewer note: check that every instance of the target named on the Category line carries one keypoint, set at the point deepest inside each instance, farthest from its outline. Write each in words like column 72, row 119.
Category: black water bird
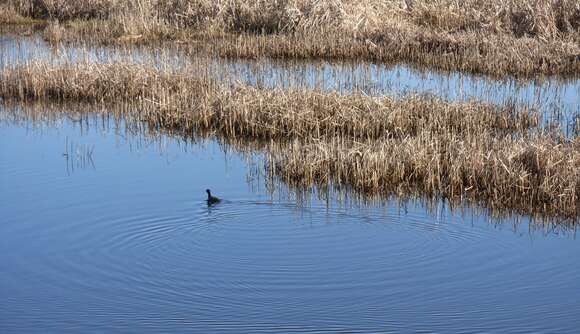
column 211, row 199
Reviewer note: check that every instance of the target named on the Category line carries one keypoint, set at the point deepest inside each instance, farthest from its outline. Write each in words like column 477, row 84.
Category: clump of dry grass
column 522, row 38
column 250, row 112
column 496, row 155
column 54, row 32
column 472, row 52
column 10, row 16
column 541, row 18
column 535, row 175
column 93, row 82
column 65, row 10
column 240, row 111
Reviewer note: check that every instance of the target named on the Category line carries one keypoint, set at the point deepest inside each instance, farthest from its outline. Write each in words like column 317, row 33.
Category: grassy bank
column 494, row 155
column 521, row 38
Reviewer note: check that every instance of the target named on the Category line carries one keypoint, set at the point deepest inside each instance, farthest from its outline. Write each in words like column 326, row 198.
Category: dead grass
column 494, row 155
column 64, row 9
column 244, row 111
column 521, row 38
column 473, row 52
column 535, row 175
column 12, row 17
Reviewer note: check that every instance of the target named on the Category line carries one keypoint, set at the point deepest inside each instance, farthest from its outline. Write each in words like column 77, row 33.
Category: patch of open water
column 103, row 230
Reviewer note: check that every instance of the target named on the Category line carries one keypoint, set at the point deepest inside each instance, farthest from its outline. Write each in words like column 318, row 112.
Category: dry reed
column 190, row 101
column 536, row 175
column 522, row 38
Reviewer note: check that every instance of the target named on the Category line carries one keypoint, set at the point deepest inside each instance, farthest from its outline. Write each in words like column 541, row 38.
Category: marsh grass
column 520, row 38
column 11, row 16
column 78, row 156
column 472, row 53
column 182, row 98
column 534, row 175
column 499, row 156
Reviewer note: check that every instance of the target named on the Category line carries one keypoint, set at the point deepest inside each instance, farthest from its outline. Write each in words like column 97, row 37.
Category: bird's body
column 211, row 199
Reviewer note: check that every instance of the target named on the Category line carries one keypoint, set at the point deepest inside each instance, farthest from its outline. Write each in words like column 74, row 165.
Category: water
column 115, row 236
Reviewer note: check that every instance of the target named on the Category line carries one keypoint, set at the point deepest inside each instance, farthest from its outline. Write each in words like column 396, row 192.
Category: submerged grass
column 495, row 155
column 521, row 38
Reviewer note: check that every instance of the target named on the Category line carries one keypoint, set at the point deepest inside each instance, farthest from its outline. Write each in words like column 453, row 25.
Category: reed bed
column 180, row 98
column 472, row 52
column 538, row 175
column 521, row 38
column 496, row 155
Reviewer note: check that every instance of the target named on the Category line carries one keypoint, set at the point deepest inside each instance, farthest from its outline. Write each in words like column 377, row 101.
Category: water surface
column 103, row 230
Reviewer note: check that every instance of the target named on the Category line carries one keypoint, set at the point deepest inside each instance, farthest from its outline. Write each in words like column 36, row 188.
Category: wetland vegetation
column 501, row 155
column 520, row 38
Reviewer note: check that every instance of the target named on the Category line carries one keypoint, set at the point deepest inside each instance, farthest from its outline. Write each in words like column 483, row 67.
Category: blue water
column 115, row 236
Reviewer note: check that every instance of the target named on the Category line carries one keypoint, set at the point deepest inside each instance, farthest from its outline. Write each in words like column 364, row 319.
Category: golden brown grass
column 244, row 111
column 522, row 38
column 535, row 175
column 9, row 16
column 494, row 155
column 545, row 18
column 473, row 52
